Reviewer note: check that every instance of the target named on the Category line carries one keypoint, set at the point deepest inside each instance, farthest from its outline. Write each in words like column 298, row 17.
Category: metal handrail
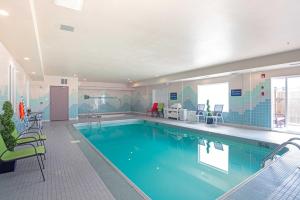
column 279, row 148
column 295, row 138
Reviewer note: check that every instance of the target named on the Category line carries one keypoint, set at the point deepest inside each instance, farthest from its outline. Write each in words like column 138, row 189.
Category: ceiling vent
column 64, row 81
column 66, row 28
column 71, row 4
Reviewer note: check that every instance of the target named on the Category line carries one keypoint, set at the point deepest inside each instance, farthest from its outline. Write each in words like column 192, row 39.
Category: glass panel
column 216, row 93
column 279, row 102
column 293, row 101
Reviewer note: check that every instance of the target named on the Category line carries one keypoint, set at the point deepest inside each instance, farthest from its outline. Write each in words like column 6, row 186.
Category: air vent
column 64, row 81
column 66, row 28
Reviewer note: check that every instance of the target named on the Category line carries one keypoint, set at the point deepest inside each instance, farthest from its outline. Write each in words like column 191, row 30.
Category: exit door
column 59, row 103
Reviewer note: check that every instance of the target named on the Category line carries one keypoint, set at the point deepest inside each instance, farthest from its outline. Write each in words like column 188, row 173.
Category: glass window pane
column 216, row 93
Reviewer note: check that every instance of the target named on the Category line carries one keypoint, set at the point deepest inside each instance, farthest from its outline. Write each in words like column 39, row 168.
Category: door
column 285, row 103
column 279, row 103
column 59, row 103
column 293, row 99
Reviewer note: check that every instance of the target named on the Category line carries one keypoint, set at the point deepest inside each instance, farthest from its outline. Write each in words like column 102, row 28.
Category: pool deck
column 72, row 174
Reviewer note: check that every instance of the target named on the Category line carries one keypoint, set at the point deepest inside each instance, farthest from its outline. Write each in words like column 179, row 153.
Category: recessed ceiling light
column 75, row 75
column 84, row 79
column 26, row 58
column 33, row 73
column 4, row 13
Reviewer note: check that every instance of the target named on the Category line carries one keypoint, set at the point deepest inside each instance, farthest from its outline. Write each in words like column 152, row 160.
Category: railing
column 92, row 116
column 271, row 156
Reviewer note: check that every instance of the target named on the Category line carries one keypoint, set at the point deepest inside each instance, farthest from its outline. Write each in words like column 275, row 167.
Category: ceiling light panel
column 71, row 4
column 4, row 13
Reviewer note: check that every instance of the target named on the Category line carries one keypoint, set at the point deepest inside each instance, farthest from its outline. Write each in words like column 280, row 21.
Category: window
column 12, row 85
column 216, row 93
column 103, row 99
column 160, row 96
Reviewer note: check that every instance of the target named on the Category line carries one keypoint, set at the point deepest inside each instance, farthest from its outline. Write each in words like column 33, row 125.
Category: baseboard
column 140, row 113
column 105, row 113
column 248, row 126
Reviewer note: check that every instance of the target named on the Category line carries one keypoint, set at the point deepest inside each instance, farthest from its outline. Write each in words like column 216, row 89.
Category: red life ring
column 21, row 110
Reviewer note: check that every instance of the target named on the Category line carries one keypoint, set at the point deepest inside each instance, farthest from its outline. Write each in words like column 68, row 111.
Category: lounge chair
column 23, row 138
column 18, row 154
column 160, row 110
column 200, row 113
column 153, row 109
column 218, row 113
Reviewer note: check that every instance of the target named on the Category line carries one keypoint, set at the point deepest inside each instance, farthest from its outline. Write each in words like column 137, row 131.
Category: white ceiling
column 17, row 33
column 140, row 39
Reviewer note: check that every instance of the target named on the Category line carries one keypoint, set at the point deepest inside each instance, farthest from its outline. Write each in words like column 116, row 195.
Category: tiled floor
column 70, row 175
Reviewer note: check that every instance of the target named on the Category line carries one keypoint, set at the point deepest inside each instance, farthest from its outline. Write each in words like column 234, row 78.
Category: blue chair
column 200, row 113
column 218, row 111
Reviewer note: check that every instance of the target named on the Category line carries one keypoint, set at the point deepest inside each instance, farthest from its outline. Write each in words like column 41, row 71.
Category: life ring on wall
column 21, row 110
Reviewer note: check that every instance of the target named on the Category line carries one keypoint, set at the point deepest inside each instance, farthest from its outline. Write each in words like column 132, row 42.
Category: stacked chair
column 32, row 138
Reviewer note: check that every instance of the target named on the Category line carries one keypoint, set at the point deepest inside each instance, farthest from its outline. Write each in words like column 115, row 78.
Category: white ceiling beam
column 263, row 62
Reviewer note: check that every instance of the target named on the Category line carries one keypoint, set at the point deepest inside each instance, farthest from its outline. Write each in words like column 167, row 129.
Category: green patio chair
column 18, row 154
column 34, row 137
column 24, row 139
column 160, row 109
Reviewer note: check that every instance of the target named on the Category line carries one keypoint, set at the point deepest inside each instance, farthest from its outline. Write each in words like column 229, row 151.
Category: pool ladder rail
column 92, row 116
column 272, row 156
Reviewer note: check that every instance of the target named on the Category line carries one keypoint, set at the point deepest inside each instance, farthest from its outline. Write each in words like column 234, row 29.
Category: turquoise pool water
column 168, row 162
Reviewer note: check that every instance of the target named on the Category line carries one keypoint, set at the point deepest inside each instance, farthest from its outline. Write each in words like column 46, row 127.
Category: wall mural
column 141, row 100
column 109, row 101
column 249, row 109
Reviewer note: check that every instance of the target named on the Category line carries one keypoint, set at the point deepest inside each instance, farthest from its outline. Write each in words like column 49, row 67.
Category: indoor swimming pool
column 170, row 162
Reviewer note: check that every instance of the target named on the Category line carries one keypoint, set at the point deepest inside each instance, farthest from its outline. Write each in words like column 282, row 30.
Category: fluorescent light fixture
column 75, row 75
column 71, row 4
column 84, row 79
column 33, row 73
column 26, row 58
column 4, row 13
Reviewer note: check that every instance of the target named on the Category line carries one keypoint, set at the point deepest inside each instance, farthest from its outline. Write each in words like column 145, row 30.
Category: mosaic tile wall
column 251, row 108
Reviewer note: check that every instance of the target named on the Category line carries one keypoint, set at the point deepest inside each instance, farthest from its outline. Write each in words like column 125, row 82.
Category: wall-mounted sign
column 173, row 96
column 236, row 92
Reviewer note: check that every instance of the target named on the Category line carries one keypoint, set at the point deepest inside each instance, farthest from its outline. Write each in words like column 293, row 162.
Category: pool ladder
column 93, row 116
column 272, row 155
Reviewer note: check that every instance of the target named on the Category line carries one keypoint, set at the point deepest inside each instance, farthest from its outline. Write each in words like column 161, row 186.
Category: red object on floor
column 154, row 108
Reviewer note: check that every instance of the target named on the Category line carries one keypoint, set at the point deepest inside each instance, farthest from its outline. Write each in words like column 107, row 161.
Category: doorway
column 285, row 103
column 59, row 103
